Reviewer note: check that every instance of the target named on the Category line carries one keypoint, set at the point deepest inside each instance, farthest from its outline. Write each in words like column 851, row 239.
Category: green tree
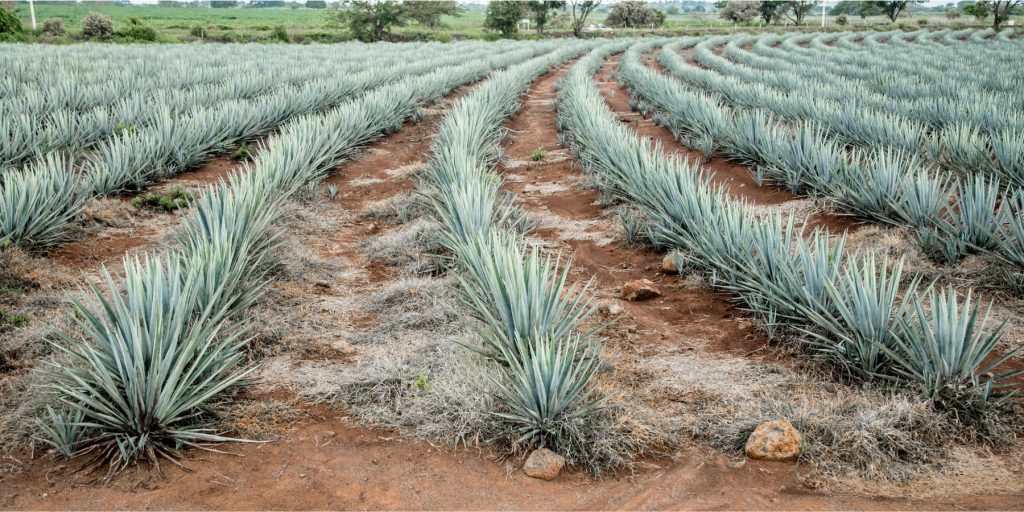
column 541, row 11
column 634, row 14
column 672, row 10
column 316, row 4
column 855, row 8
column 1002, row 10
column 979, row 10
column 429, row 14
column 504, row 16
column 580, row 10
column 771, row 10
column 892, row 10
column 223, row 4
column 9, row 23
column 368, row 20
column 798, row 10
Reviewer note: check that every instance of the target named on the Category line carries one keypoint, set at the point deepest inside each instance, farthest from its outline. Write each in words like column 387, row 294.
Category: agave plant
column 546, row 394
column 943, row 346
column 857, row 323
column 151, row 360
column 519, row 295
column 37, row 205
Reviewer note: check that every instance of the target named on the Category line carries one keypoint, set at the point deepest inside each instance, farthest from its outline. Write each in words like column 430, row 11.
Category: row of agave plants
column 929, row 340
column 80, row 103
column 978, row 133
column 37, row 204
column 935, row 57
column 534, row 325
column 44, row 79
column 165, row 341
column 951, row 217
column 947, row 89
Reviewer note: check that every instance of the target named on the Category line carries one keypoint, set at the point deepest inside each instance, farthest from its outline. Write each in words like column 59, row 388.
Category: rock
column 343, row 347
column 671, row 262
column 640, row 289
column 544, row 464
column 611, row 309
column 774, row 440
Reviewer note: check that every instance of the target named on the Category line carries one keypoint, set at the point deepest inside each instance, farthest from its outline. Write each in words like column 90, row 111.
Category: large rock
column 774, row 440
column 544, row 464
column 640, row 289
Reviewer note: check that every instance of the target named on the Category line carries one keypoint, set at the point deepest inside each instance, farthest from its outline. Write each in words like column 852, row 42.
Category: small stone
column 544, row 464
column 343, row 347
column 611, row 309
column 668, row 264
column 328, row 434
column 673, row 262
column 640, row 289
column 774, row 440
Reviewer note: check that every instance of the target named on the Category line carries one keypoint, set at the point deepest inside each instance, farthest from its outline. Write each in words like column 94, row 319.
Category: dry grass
column 412, row 247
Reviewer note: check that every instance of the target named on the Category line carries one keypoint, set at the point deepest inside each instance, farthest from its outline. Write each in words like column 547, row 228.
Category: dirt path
column 324, row 460
column 114, row 228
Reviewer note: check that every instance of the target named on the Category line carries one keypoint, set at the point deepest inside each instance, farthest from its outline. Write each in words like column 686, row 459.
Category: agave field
column 361, row 264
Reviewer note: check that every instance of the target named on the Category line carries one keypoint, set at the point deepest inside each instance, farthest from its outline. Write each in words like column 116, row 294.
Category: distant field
column 173, row 24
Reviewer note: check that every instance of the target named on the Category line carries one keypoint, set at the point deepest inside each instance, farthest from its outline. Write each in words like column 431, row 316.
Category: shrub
column 538, row 154
column 97, row 26
column 54, row 27
column 197, row 31
column 137, row 31
column 841, row 20
column 922, row 21
column 175, row 200
column 9, row 23
column 280, row 34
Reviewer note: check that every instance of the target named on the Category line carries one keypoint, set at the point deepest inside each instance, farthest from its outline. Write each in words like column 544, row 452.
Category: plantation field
column 741, row 271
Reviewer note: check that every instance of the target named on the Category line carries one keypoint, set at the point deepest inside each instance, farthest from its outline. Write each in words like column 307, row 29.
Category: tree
column 739, row 11
column 316, row 4
column 9, row 23
column 1002, row 10
column 979, row 10
column 370, row 20
column 892, row 10
column 798, row 10
column 634, row 14
column 855, row 8
column 223, row 4
column 771, row 10
column 580, row 10
column 541, row 12
column 429, row 14
column 504, row 16
column 672, row 10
